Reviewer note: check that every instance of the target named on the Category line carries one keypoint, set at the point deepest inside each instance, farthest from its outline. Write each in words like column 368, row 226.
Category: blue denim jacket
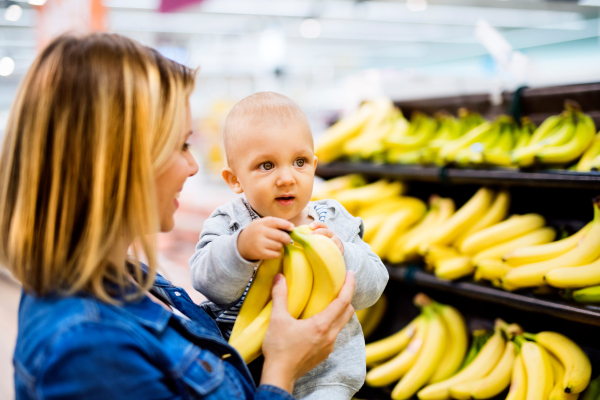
column 81, row 348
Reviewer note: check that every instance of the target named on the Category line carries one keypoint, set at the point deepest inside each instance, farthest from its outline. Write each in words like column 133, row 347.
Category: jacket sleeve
column 370, row 273
column 218, row 271
column 268, row 392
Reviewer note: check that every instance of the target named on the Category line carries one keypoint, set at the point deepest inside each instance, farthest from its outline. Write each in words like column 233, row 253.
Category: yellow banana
column 408, row 248
column 546, row 128
column 454, row 268
column 558, row 392
column 536, row 237
column 396, row 251
column 492, row 384
column 428, row 358
column 543, row 252
column 385, row 349
column 460, row 221
column 327, row 189
column 395, row 368
column 395, row 225
column 362, row 142
column 299, row 278
column 537, row 365
column 513, row 227
column 437, row 253
column 352, row 199
column 518, row 384
column 450, row 149
column 329, row 147
column 483, row 363
column 575, row 277
column 583, row 137
column 249, row 342
column 372, row 225
column 328, row 267
column 585, row 162
column 490, row 269
column 533, row 274
column 387, row 206
column 374, row 316
column 496, row 213
column 578, row 369
column 457, row 341
column 258, row 295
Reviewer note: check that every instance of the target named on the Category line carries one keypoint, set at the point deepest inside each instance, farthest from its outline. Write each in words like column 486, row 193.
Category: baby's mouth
column 285, row 200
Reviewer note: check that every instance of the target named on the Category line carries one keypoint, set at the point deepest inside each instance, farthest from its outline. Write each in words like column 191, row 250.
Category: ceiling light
column 7, row 66
column 310, row 28
column 13, row 13
column 37, row 2
column 416, row 5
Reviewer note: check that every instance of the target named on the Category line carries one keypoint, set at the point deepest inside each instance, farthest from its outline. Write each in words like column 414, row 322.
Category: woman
column 93, row 159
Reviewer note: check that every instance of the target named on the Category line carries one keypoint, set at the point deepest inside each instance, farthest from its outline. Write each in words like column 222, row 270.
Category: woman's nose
column 193, row 165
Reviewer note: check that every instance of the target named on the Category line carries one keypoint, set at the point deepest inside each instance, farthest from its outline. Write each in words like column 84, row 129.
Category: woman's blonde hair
column 95, row 120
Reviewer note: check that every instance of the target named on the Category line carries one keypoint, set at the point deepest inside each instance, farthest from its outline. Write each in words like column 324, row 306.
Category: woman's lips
column 285, row 201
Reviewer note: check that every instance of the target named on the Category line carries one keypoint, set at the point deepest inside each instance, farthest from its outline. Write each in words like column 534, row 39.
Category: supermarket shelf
column 545, row 178
column 586, row 314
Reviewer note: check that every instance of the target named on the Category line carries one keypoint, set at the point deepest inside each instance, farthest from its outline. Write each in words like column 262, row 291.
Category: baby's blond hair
column 260, row 109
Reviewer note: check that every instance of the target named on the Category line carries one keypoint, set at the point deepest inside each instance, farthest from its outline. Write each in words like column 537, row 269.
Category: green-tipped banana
column 587, row 295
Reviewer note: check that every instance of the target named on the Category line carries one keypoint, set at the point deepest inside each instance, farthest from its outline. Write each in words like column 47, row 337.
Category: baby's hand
column 264, row 238
column 320, row 228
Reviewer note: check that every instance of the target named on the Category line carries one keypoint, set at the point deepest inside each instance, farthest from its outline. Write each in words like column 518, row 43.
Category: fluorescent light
column 13, row 13
column 7, row 66
column 37, row 2
column 416, row 5
column 310, row 28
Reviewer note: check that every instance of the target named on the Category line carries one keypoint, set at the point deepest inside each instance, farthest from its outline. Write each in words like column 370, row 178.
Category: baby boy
column 270, row 158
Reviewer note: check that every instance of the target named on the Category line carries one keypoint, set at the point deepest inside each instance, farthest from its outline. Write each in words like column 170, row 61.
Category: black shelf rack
column 525, row 301
column 553, row 178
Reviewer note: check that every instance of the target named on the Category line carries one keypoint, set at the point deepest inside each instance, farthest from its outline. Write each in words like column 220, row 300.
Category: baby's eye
column 267, row 166
column 300, row 162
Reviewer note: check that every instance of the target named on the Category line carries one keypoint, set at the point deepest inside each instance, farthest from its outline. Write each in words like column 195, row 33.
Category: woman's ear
column 231, row 180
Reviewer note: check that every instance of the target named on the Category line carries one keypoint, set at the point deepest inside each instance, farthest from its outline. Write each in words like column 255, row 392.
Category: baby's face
column 275, row 165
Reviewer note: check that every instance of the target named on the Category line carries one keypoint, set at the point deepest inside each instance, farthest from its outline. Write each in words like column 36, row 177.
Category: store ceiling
column 246, row 38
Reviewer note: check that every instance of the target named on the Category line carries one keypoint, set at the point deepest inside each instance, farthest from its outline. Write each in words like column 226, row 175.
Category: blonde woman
column 92, row 161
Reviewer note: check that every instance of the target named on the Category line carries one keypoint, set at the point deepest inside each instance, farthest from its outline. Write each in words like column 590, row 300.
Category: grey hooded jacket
column 221, row 275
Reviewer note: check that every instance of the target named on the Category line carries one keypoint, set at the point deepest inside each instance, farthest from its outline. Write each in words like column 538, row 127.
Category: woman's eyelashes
column 186, row 146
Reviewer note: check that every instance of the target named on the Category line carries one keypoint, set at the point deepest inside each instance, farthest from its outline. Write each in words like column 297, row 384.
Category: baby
column 270, row 157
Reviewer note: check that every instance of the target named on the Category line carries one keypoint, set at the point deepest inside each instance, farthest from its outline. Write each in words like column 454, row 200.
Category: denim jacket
column 78, row 347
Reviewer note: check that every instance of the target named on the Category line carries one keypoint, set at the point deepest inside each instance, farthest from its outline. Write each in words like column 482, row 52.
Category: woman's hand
column 319, row 228
column 293, row 347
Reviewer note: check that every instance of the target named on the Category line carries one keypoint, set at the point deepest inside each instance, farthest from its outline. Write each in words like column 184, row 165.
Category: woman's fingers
column 339, row 312
column 279, row 295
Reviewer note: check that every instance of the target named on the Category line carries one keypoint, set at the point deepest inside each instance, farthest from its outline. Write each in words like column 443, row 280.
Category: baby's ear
column 315, row 162
column 231, row 180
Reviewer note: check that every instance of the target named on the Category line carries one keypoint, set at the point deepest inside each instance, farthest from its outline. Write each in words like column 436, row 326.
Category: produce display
column 379, row 132
column 315, row 272
column 370, row 317
column 430, row 358
column 479, row 238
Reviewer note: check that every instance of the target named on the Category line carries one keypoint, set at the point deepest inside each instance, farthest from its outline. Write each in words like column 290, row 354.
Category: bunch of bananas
column 379, row 132
column 429, row 357
column 315, row 272
column 430, row 349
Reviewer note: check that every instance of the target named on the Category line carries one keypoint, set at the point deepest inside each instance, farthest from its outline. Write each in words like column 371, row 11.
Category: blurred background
column 328, row 55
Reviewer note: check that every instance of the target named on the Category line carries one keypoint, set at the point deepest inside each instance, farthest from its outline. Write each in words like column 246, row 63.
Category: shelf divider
column 412, row 274
column 544, row 178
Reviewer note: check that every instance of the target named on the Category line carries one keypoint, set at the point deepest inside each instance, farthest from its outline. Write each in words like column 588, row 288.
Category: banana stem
column 519, row 340
column 530, row 336
column 421, row 300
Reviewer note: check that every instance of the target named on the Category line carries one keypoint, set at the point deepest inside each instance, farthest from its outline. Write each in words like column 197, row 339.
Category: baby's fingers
column 323, row 231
